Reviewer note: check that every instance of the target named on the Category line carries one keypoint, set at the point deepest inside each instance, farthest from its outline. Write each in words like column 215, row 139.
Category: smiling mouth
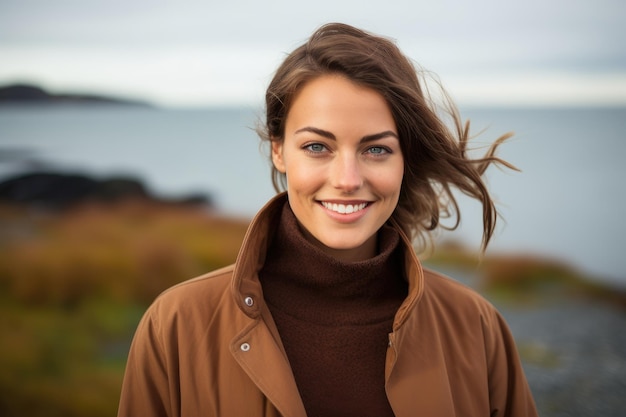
column 344, row 208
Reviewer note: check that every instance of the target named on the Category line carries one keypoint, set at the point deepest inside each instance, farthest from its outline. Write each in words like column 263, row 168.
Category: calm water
column 568, row 202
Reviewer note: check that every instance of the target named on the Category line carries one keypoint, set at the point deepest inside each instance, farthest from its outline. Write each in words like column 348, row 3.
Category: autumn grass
column 74, row 286
column 128, row 252
column 526, row 279
column 66, row 362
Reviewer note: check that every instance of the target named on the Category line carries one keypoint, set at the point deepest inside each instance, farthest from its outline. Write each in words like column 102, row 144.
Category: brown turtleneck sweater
column 334, row 318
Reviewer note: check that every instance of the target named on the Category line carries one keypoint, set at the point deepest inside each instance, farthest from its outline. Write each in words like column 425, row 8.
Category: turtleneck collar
column 304, row 282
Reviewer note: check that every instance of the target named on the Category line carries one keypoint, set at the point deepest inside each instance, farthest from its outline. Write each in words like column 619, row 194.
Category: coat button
column 249, row 301
column 245, row 347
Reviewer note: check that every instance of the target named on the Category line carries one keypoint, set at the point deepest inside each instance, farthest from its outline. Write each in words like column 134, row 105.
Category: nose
column 346, row 174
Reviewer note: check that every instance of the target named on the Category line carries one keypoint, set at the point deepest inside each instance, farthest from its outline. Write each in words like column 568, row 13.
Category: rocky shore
column 573, row 350
column 574, row 355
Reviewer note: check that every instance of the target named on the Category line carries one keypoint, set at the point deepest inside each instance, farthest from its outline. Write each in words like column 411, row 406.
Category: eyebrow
column 330, row 135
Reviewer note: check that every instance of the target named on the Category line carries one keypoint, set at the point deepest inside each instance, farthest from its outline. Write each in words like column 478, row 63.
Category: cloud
column 540, row 89
column 191, row 53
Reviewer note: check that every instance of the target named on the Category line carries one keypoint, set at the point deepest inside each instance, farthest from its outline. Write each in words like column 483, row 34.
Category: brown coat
column 209, row 347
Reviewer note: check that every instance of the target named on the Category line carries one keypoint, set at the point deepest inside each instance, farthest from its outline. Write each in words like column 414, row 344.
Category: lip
column 345, row 217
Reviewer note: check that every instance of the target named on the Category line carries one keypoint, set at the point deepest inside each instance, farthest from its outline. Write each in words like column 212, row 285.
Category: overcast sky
column 196, row 53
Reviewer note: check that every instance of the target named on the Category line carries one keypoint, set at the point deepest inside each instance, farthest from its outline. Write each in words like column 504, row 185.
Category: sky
column 187, row 53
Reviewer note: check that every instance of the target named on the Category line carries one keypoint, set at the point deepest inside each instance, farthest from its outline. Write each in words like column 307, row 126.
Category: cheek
column 302, row 174
column 389, row 182
column 301, row 178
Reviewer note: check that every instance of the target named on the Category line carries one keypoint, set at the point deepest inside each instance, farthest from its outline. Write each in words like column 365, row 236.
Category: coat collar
column 253, row 250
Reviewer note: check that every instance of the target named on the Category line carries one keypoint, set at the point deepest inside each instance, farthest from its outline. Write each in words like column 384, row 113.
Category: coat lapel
column 262, row 359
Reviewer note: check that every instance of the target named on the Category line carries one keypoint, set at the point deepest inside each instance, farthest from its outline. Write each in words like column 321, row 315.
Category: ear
column 277, row 156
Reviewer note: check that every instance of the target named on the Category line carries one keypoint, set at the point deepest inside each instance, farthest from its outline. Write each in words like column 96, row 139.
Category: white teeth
column 344, row 208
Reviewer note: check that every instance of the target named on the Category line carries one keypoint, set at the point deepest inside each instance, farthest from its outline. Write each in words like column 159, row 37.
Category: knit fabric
column 334, row 318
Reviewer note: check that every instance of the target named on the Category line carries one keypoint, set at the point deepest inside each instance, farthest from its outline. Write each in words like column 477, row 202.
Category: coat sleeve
column 509, row 393
column 148, row 389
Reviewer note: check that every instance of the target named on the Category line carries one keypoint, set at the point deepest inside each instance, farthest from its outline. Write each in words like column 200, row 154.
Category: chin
column 341, row 244
column 348, row 249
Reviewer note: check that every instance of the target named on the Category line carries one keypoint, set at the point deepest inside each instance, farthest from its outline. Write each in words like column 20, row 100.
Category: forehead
column 335, row 102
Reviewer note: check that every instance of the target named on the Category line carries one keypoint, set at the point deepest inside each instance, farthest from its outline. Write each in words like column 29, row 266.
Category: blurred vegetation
column 127, row 252
column 75, row 283
column 525, row 279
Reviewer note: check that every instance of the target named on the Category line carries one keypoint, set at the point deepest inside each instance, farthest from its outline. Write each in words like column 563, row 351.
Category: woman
column 327, row 310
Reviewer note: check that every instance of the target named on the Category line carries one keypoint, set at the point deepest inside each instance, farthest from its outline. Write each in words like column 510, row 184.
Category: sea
column 566, row 203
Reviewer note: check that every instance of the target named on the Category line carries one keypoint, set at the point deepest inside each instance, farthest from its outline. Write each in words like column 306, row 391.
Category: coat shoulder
column 202, row 293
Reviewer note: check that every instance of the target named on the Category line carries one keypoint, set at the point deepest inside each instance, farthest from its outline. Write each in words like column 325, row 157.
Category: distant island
column 27, row 93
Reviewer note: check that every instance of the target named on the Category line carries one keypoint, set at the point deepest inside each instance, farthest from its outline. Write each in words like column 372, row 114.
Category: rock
column 54, row 190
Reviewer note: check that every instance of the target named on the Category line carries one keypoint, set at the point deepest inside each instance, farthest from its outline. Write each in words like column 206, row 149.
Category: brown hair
column 435, row 156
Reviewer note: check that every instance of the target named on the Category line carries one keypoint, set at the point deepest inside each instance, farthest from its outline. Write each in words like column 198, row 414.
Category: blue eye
column 315, row 147
column 377, row 150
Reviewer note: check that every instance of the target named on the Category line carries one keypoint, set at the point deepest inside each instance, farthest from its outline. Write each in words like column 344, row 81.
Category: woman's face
column 344, row 166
